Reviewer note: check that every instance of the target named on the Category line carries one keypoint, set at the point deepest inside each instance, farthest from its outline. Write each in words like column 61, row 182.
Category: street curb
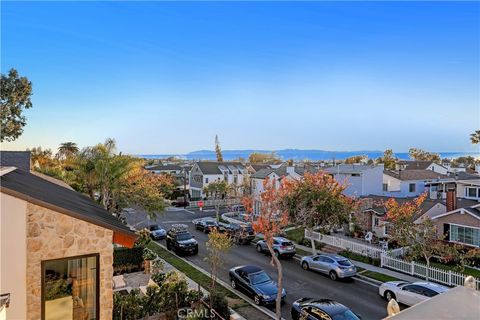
column 223, row 283
column 368, row 280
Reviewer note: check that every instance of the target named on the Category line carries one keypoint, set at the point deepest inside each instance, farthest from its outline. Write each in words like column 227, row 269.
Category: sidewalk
column 369, row 267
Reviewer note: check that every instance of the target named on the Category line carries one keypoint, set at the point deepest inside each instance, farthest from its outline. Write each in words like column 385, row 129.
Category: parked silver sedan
column 410, row 293
column 333, row 265
column 281, row 246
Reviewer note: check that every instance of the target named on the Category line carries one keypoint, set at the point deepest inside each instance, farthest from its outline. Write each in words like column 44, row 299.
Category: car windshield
column 153, row 228
column 258, row 278
column 287, row 244
column 184, row 236
column 344, row 263
column 345, row 315
column 210, row 222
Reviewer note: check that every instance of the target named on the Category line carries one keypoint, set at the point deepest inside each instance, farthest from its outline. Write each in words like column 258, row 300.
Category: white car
column 409, row 293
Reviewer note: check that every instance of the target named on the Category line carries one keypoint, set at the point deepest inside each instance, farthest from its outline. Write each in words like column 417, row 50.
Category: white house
column 166, row 168
column 205, row 172
column 407, row 183
column 362, row 180
column 420, row 165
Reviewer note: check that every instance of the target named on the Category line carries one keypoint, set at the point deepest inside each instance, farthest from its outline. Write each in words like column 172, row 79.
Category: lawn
column 467, row 271
column 296, row 235
column 378, row 276
column 188, row 270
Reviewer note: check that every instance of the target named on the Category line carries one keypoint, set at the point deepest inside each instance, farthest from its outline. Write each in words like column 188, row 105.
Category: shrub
column 128, row 306
column 126, row 259
column 149, row 254
column 358, row 257
column 220, row 305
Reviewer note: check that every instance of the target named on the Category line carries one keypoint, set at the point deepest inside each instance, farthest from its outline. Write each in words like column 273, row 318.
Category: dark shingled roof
column 167, row 167
column 415, row 165
column 474, row 211
column 17, row 159
column 259, row 166
column 31, row 188
column 414, row 174
column 212, row 167
column 380, row 209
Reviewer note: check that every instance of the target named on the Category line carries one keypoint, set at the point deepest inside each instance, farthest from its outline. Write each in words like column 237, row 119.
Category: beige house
column 56, row 251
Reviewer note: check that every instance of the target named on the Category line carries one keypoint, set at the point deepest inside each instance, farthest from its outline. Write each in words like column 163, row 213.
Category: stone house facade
column 56, row 245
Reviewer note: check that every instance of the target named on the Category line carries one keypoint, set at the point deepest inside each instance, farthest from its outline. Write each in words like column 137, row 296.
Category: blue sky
column 165, row 77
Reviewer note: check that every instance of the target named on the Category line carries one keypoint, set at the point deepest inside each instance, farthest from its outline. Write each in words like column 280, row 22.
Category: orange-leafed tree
column 414, row 231
column 317, row 201
column 270, row 222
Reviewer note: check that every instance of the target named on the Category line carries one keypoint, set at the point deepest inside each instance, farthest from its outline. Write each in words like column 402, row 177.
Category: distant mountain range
column 295, row 154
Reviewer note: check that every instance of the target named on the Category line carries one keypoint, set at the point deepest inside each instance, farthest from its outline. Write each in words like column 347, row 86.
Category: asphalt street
column 362, row 298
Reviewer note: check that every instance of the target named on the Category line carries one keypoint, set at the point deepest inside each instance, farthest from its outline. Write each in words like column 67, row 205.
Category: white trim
column 459, row 242
column 461, row 210
column 5, row 170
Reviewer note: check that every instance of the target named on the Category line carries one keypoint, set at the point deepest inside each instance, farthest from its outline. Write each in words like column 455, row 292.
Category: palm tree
column 67, row 150
column 475, row 137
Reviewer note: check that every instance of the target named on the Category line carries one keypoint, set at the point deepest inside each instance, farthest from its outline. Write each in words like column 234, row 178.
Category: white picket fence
column 212, row 203
column 446, row 277
column 354, row 246
column 390, row 259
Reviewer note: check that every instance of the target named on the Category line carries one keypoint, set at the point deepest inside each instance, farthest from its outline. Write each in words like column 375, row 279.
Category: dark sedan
column 256, row 283
column 206, row 225
column 321, row 309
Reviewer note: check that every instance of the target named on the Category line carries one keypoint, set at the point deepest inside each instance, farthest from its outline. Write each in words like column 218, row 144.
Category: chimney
column 451, row 200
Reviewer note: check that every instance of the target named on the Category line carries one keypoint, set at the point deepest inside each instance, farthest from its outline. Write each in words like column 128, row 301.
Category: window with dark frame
column 70, row 288
column 411, row 187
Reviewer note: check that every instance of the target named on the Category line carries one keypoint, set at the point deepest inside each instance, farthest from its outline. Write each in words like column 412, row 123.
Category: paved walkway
column 367, row 266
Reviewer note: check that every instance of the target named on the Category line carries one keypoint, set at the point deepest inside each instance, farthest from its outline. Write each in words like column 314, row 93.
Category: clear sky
column 165, row 77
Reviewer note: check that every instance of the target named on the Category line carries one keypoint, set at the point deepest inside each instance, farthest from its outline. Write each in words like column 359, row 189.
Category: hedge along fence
column 127, row 260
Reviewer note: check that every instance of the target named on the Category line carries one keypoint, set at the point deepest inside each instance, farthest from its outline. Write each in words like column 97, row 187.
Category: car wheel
column 333, row 275
column 169, row 247
column 389, row 295
column 277, row 254
column 256, row 299
column 259, row 248
column 305, row 265
column 233, row 284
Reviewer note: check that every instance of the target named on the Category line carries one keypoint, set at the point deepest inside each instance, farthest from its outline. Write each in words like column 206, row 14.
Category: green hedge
column 127, row 260
column 358, row 257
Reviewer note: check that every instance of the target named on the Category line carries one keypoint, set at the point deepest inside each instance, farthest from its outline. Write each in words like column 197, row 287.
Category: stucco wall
column 464, row 219
column 52, row 235
column 13, row 257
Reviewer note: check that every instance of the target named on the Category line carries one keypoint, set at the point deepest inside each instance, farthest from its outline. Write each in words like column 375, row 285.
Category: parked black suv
column 181, row 241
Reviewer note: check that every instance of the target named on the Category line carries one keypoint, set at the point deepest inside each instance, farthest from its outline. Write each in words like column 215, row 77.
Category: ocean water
column 296, row 154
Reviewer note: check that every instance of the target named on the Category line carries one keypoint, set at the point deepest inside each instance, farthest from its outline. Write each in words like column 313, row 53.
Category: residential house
column 420, row 165
column 205, row 172
column 460, row 225
column 371, row 214
column 166, row 169
column 466, row 185
column 407, row 183
column 362, row 180
column 56, row 250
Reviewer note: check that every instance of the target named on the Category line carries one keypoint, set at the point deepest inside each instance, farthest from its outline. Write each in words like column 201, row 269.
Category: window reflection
column 70, row 288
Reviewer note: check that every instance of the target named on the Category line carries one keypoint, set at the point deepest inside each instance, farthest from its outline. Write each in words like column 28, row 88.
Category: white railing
column 354, row 246
column 390, row 259
column 212, row 203
column 446, row 277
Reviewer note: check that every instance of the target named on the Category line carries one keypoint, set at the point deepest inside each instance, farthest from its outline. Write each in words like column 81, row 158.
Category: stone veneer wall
column 53, row 235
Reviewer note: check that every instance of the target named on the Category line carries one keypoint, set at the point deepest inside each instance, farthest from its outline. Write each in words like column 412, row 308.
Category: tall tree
column 317, row 201
column 257, row 157
column 356, row 159
column 475, row 137
column 15, row 93
column 217, row 245
column 67, row 150
column 420, row 237
column 270, row 222
column 422, row 155
column 218, row 150
column 388, row 159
